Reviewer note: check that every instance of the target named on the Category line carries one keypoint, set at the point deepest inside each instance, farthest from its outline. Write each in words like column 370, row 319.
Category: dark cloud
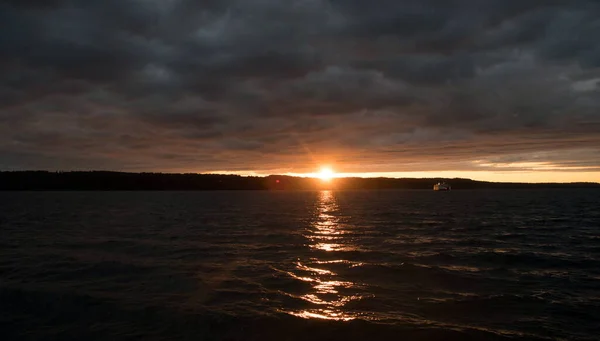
column 264, row 85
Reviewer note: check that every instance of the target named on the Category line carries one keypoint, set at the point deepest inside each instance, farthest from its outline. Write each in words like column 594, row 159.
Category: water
column 374, row 265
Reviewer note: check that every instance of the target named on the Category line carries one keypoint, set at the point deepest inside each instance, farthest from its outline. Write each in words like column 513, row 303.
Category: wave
column 80, row 316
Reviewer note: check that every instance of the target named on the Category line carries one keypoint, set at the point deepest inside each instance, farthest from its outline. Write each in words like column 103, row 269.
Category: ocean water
column 355, row 265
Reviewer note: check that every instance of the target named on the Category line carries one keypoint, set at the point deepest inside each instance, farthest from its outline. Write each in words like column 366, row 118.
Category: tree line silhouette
column 110, row 181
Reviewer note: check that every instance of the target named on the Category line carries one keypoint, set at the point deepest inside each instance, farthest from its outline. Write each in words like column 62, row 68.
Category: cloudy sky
column 489, row 89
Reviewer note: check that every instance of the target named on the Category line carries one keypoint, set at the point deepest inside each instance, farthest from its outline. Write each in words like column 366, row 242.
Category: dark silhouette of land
column 113, row 181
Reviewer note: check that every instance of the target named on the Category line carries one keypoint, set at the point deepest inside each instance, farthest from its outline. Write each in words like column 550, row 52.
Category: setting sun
column 325, row 174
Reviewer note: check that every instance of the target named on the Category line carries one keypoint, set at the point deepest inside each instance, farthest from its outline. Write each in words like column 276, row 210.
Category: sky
column 501, row 90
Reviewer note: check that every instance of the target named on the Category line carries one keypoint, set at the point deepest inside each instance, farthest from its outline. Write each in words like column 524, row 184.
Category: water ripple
column 296, row 265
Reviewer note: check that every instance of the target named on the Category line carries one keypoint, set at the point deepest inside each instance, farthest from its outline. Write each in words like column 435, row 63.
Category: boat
column 441, row 186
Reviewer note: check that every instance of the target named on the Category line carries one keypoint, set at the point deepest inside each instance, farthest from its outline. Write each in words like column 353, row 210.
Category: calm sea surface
column 363, row 265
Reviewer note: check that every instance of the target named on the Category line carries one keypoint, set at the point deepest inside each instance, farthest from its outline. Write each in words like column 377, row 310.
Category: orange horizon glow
column 492, row 176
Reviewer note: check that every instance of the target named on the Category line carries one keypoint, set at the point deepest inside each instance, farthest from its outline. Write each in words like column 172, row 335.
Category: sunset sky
column 498, row 90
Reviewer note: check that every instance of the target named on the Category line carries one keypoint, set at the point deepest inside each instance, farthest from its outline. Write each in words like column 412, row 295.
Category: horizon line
column 312, row 176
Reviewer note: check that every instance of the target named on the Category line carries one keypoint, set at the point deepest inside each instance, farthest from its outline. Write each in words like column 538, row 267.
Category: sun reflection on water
column 329, row 294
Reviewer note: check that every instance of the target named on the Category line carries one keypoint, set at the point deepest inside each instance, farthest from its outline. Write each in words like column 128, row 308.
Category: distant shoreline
column 123, row 181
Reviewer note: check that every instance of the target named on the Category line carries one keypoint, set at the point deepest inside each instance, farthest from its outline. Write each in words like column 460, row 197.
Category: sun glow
column 325, row 174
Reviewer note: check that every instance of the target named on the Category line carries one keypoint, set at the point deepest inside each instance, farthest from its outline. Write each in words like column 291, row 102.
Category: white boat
column 441, row 186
